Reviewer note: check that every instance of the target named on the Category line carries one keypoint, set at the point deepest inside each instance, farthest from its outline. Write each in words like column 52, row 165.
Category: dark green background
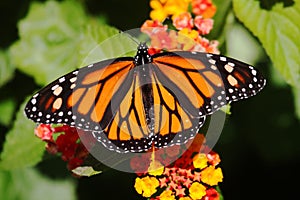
column 259, row 145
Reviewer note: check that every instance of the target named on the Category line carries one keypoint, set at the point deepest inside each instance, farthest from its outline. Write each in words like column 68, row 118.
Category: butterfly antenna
column 134, row 39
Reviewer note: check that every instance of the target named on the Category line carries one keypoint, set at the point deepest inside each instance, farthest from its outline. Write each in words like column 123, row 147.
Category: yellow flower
column 187, row 37
column 156, row 168
column 146, row 186
column 165, row 8
column 200, row 161
column 167, row 195
column 211, row 176
column 197, row 191
column 185, row 198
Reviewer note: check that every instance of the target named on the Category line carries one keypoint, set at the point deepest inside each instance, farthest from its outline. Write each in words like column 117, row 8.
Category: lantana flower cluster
column 193, row 176
column 190, row 20
column 64, row 141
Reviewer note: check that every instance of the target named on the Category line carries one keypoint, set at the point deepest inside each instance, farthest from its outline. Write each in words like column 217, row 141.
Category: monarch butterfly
column 133, row 103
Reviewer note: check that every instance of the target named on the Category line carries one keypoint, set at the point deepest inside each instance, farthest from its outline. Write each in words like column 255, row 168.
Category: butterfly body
column 133, row 103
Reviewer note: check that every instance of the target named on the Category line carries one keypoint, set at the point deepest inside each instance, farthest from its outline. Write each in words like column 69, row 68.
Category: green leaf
column 278, row 30
column 296, row 93
column 28, row 183
column 276, row 78
column 226, row 109
column 7, row 107
column 236, row 34
column 21, row 147
column 220, row 192
column 223, row 8
column 49, row 37
column 99, row 42
column 85, row 171
column 6, row 69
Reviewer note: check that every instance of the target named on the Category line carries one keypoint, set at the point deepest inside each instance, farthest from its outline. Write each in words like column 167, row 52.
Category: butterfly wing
column 82, row 98
column 134, row 129
column 128, row 131
column 207, row 81
column 108, row 98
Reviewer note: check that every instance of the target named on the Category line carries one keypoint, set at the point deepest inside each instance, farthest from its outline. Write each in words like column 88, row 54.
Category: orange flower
column 213, row 158
column 205, row 8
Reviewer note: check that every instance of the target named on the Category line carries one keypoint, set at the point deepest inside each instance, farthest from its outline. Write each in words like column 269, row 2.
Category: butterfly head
column 142, row 56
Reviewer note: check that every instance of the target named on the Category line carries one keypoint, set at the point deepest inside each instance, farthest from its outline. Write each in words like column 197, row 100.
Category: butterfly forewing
column 80, row 97
column 50, row 105
column 209, row 81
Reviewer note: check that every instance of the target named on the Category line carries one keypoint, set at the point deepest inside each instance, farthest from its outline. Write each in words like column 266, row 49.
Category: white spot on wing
column 72, row 80
column 222, row 58
column 33, row 101
column 54, row 87
column 231, row 64
column 228, row 68
column 73, row 86
column 62, row 79
column 57, row 103
column 57, row 91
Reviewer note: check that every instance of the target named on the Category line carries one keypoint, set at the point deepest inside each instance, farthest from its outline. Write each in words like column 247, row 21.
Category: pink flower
column 163, row 40
column 204, row 26
column 183, row 20
column 44, row 131
column 150, row 27
column 66, row 142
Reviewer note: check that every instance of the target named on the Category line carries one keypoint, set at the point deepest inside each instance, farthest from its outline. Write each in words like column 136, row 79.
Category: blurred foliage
column 56, row 37
column 278, row 30
column 21, row 148
column 7, row 69
column 51, row 33
column 28, row 183
column 7, row 106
